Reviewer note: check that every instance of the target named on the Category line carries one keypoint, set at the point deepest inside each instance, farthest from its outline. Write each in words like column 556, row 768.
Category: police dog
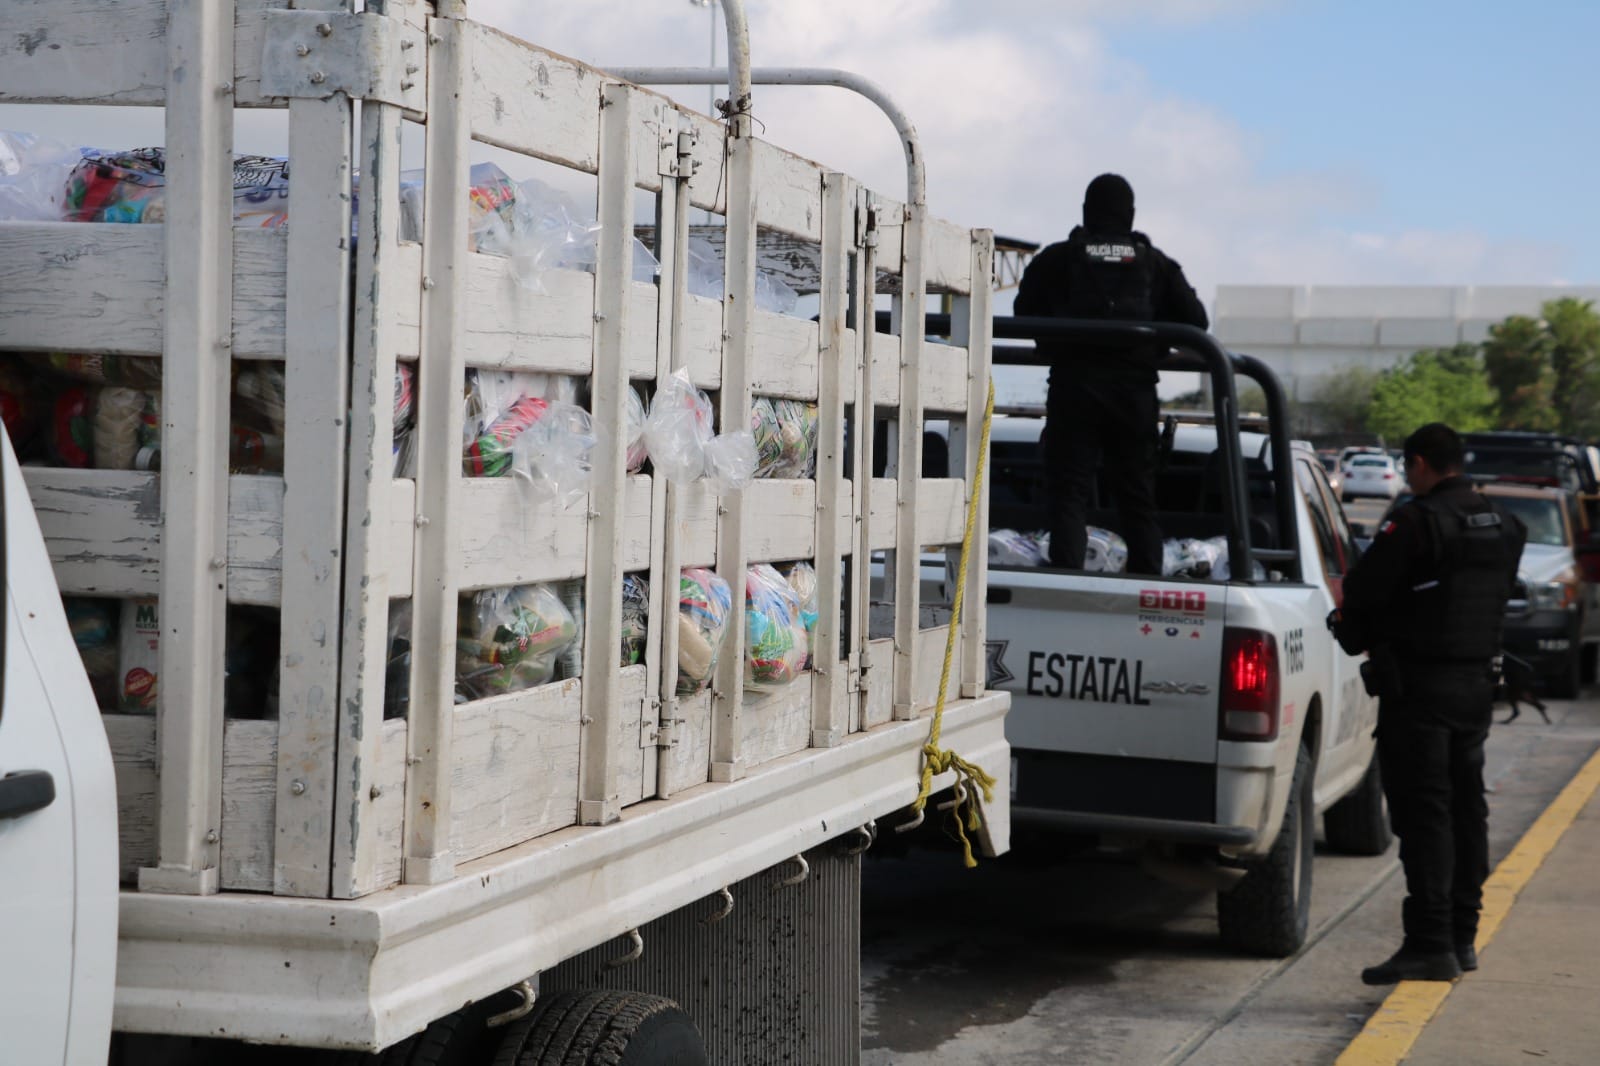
column 1514, row 686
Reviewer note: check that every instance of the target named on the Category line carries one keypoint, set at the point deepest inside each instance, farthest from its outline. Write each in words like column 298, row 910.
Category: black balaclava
column 1108, row 204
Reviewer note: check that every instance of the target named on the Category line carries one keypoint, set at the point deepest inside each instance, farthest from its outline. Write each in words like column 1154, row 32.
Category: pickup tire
column 1267, row 912
column 603, row 1029
column 1359, row 823
column 1567, row 679
column 457, row 1039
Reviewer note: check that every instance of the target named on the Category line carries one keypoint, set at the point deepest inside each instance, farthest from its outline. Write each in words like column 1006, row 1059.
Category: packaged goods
column 94, row 631
column 1105, row 551
column 678, row 428
column 775, row 632
column 1007, row 547
column 251, row 452
column 140, row 656
column 260, row 396
column 397, row 675
column 131, row 186
column 731, row 461
column 802, row 577
column 704, row 600
column 509, row 639
column 405, row 416
column 134, row 371
column 69, row 429
column 33, row 176
column 148, row 457
column 18, row 405
column 490, row 455
column 637, row 452
column 635, row 618
column 552, row 458
column 786, row 437
column 118, row 421
column 570, row 664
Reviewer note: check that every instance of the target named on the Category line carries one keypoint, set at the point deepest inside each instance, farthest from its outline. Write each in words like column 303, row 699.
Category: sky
column 1269, row 141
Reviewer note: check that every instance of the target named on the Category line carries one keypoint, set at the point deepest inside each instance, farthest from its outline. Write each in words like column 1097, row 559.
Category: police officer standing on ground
column 1102, row 399
column 1426, row 602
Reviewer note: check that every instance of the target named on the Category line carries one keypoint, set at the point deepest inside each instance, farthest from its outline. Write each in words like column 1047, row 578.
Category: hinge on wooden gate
column 662, row 731
column 677, row 154
column 366, row 55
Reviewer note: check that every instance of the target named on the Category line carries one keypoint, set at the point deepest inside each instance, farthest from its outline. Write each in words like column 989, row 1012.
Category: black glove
column 1349, row 635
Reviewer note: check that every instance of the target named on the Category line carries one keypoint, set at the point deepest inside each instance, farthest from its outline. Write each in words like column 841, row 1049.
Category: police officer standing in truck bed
column 1427, row 602
column 1102, row 400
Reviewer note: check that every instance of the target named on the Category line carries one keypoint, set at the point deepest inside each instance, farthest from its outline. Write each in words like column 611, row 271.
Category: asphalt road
column 1035, row 959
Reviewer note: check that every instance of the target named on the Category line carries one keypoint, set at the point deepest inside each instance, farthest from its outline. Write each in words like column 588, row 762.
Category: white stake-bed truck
column 633, row 858
column 1206, row 719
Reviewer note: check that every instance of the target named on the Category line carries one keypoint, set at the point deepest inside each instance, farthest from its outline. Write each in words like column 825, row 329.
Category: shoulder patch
column 1388, row 527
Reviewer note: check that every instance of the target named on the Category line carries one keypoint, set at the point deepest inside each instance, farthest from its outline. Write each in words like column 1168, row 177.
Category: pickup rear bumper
column 1168, row 830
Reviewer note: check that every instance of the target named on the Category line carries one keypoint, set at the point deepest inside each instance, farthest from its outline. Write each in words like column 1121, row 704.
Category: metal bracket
column 366, row 56
column 727, row 908
column 524, row 990
column 634, row 955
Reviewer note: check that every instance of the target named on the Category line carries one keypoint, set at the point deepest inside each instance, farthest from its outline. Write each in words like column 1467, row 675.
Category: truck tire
column 1568, row 677
column 458, row 1039
column 1268, row 911
column 1359, row 823
column 603, row 1029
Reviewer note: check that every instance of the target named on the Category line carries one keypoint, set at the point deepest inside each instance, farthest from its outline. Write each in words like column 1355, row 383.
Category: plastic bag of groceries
column 131, row 186
column 635, row 618
column 500, row 408
column 1105, row 551
column 637, row 452
column 786, row 437
column 1007, row 547
column 775, row 631
column 509, row 639
column 704, row 601
column 730, row 461
column 540, row 229
column 33, row 176
column 553, row 458
column 802, row 577
column 1187, row 557
column 678, row 428
column 706, row 270
column 405, row 417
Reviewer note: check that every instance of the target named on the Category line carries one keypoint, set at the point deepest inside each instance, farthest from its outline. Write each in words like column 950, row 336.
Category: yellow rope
column 970, row 777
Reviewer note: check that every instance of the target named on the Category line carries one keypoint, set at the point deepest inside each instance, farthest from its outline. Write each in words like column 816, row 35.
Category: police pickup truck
column 1206, row 719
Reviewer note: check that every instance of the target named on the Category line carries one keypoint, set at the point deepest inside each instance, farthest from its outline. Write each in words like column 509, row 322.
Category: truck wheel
column 603, row 1029
column 1268, row 911
column 1567, row 679
column 1591, row 660
column 458, row 1039
column 1359, row 823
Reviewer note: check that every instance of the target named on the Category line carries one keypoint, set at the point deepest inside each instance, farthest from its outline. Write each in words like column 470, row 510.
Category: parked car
column 1553, row 619
column 1371, row 475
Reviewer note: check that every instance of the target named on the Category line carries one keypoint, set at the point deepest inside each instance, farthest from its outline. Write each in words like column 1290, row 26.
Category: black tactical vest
column 1111, row 276
column 1456, row 609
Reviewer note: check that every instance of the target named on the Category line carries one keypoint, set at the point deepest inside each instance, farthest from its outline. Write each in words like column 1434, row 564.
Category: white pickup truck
column 1208, row 721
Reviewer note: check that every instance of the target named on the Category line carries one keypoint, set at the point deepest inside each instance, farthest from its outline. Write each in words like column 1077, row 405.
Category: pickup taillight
column 1250, row 686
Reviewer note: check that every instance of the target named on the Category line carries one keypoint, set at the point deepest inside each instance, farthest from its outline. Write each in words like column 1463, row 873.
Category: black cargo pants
column 1430, row 751
column 1090, row 423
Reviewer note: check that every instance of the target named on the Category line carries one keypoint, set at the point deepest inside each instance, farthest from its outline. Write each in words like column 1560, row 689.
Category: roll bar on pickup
column 1193, row 350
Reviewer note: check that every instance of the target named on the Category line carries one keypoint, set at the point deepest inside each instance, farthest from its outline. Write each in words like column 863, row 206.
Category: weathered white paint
column 973, row 327
column 531, row 101
column 514, row 539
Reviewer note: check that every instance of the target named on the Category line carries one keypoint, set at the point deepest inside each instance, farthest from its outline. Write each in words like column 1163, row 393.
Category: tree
column 1344, row 399
column 1573, row 330
column 1517, row 359
column 1446, row 385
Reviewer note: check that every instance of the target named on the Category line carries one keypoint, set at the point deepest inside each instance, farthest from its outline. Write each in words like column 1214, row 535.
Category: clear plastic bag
column 678, row 428
column 704, row 601
column 706, row 271
column 775, row 632
column 33, row 176
column 637, row 452
column 635, row 618
column 1105, row 551
column 553, row 457
column 542, row 229
column 118, row 419
column 802, row 577
column 786, row 437
column 131, row 186
column 1007, row 547
column 500, row 408
column 1187, row 557
column 509, row 639
column 730, row 462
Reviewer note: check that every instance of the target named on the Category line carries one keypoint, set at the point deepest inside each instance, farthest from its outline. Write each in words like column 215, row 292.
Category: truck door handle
column 999, row 596
column 26, row 791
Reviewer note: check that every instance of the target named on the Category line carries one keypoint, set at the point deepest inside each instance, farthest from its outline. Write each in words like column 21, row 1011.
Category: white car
column 1372, row 475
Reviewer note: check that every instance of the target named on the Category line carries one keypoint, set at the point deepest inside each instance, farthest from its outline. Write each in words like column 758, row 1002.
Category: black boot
column 1467, row 956
column 1408, row 964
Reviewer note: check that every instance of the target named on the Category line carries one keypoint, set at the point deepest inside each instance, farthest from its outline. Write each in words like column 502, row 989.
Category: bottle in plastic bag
column 704, row 601
column 510, row 639
column 775, row 633
column 802, row 577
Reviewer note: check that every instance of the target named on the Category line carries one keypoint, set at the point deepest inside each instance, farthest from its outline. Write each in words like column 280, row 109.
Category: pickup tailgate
column 1108, row 666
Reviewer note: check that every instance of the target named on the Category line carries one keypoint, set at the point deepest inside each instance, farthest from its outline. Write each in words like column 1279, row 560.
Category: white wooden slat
column 373, row 505
column 930, row 663
column 946, row 386
column 600, row 793
column 531, row 101
column 885, row 370
column 407, row 265
column 688, row 762
column 399, row 543
column 708, row 179
column 783, row 361
column 949, row 258
column 776, row 723
column 973, row 326
column 883, row 521
column 696, row 522
column 701, row 341
column 631, row 754
column 864, row 490
column 655, row 140
column 316, row 405
column 515, row 768
column 388, row 809
column 907, row 317
column 99, row 287
column 249, row 799
column 513, row 540
column 941, row 511
column 789, row 197
column 878, row 707
column 194, row 434
column 514, row 328
column 133, row 757
column 441, row 371
column 891, row 229
column 780, row 519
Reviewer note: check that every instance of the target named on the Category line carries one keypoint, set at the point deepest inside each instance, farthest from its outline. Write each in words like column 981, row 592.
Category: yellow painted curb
column 1397, row 1023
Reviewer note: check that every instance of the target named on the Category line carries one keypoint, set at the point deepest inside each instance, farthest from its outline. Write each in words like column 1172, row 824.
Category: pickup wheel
column 1568, row 677
column 1268, row 911
column 1359, row 823
column 458, row 1039
column 603, row 1029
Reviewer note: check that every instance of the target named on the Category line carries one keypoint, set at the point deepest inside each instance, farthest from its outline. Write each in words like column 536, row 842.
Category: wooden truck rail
column 392, row 836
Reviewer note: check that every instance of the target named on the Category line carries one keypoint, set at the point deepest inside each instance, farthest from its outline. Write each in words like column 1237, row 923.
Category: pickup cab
column 1206, row 719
